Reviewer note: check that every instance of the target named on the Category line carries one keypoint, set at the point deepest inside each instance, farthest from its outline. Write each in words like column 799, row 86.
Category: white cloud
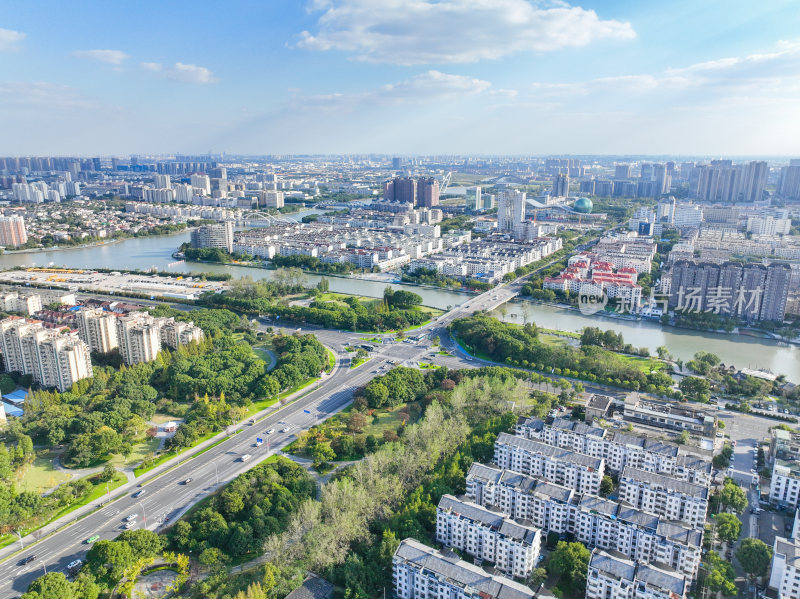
column 187, row 73
column 754, row 75
column 9, row 39
column 409, row 32
column 115, row 57
column 42, row 97
column 190, row 73
column 425, row 87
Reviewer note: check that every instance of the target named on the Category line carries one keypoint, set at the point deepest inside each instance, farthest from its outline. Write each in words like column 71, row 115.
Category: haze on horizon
column 387, row 76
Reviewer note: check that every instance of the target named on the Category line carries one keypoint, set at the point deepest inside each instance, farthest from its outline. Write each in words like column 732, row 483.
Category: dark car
column 27, row 560
column 187, row 481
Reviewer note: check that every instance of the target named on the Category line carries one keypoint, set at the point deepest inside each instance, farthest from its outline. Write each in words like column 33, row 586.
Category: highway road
column 166, row 495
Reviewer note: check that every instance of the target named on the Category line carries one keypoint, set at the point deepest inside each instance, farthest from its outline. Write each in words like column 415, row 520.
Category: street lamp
column 144, row 514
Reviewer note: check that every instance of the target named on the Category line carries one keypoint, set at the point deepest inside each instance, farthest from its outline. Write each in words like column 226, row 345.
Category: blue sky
column 400, row 76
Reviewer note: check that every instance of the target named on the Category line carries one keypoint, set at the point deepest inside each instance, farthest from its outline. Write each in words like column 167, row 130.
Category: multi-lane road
column 166, row 495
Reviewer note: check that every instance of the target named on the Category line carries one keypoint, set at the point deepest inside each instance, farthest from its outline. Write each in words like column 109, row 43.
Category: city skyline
column 349, row 76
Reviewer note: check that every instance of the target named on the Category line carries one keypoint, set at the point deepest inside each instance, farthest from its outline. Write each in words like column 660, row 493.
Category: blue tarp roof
column 12, row 410
column 18, row 395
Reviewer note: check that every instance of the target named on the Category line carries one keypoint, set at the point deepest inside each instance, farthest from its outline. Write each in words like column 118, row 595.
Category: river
column 739, row 350
column 147, row 252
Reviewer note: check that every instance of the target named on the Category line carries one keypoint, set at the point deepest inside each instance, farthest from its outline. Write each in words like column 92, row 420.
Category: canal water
column 147, row 252
column 739, row 350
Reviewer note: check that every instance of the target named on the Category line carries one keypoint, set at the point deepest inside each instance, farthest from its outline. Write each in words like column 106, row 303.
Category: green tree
column 732, row 496
column 728, row 527
column 682, row 438
column 143, row 542
column 569, row 562
column 108, row 473
column 754, row 555
column 695, row 388
column 538, row 576
column 53, row 585
column 721, row 575
column 606, row 486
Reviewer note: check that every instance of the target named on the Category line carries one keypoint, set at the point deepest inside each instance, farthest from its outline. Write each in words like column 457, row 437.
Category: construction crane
column 445, row 182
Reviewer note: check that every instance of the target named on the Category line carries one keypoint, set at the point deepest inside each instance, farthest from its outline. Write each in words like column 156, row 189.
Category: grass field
column 42, row 475
column 140, row 452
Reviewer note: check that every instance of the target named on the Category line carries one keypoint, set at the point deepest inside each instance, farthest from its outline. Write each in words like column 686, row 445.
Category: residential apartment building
column 592, row 520
column 214, row 236
column 554, row 464
column 784, row 486
column 420, row 572
column 23, row 303
column 785, row 571
column 666, row 496
column 747, row 291
column 53, row 357
column 487, row 536
column 613, row 577
column 98, row 329
column 176, row 332
column 618, row 449
column 12, row 231
column 139, row 337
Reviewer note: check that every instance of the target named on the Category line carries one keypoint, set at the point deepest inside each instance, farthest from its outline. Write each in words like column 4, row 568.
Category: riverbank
column 742, row 350
column 348, row 276
column 92, row 244
column 747, row 331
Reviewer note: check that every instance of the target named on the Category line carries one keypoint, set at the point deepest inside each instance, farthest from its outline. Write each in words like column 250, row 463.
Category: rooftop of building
column 490, row 519
column 556, row 453
column 665, row 482
column 461, row 573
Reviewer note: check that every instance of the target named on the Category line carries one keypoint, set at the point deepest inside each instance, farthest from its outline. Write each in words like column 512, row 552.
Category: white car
column 270, row 431
column 131, row 517
column 130, row 524
column 245, row 457
column 286, row 429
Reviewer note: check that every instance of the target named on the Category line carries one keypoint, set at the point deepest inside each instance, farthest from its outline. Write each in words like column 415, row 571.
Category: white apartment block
column 98, row 329
column 784, row 487
column 176, row 332
column 577, row 471
column 785, row 571
column 487, row 536
column 139, row 336
column 24, row 304
column 419, row 572
column 666, row 496
column 612, row 577
column 768, row 225
column 618, row 449
column 594, row 521
column 52, row 357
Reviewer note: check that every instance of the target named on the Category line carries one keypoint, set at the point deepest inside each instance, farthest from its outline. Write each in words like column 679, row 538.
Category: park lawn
column 162, row 418
column 429, row 366
column 380, row 420
column 554, row 340
column 42, row 475
column 646, row 365
column 139, row 453
column 359, row 362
